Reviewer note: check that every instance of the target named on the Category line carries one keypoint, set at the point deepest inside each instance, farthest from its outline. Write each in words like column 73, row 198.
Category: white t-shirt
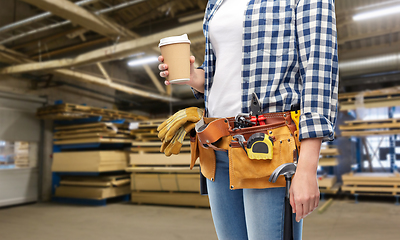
column 226, row 34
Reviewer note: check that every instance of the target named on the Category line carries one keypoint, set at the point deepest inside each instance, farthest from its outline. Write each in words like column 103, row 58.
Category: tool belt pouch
column 283, row 151
column 205, row 155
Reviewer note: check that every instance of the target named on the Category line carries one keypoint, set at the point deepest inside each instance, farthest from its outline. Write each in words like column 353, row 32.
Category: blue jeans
column 254, row 214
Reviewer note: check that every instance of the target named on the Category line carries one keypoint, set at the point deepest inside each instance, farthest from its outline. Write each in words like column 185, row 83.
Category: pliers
column 256, row 112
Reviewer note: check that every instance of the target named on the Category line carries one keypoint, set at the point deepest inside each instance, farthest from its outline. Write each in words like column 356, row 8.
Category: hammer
column 287, row 170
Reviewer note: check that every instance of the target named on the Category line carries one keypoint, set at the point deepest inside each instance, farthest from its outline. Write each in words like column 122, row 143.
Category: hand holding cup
column 163, row 67
column 175, row 53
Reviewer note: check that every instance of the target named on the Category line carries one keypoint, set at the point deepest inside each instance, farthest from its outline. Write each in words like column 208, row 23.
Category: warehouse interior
column 81, row 98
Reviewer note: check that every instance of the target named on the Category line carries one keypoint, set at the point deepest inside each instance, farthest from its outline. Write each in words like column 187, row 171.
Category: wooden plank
column 146, row 135
column 176, row 199
column 369, row 126
column 371, row 177
column 387, row 120
column 89, row 135
column 375, row 103
column 370, row 133
column 90, row 111
column 333, row 190
column 85, row 130
column 163, row 169
column 89, row 161
column 328, row 162
column 154, row 144
column 85, row 183
column 92, row 140
column 151, row 159
column 89, row 125
column 329, row 152
column 143, row 150
column 376, row 93
column 358, row 189
column 386, row 183
column 326, row 182
column 151, row 123
column 176, row 182
column 119, row 182
column 143, row 130
column 91, row 192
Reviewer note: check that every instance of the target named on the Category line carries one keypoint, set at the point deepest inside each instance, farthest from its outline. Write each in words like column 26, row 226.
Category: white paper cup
column 176, row 53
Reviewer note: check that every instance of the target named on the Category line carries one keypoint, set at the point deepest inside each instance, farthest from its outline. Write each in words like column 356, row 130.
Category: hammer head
column 287, row 170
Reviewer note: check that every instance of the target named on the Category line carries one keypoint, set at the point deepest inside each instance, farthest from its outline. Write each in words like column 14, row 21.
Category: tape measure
column 260, row 146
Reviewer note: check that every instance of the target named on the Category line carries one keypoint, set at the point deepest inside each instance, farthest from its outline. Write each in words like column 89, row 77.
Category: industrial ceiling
column 92, row 40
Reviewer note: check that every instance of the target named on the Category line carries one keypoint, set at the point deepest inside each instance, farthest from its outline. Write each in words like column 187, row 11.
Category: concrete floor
column 343, row 220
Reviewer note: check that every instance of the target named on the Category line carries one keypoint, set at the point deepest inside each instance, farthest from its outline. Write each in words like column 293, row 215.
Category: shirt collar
column 215, row 4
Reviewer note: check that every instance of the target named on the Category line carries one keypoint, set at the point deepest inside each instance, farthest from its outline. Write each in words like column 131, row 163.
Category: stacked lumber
column 388, row 97
column 74, row 111
column 157, row 179
column 328, row 184
column 360, row 128
column 371, row 183
column 90, row 161
column 145, row 131
column 21, row 154
column 146, row 141
column 93, row 187
column 328, row 158
column 99, row 132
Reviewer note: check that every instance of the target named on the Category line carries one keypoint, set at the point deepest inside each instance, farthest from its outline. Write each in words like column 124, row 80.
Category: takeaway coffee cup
column 176, row 53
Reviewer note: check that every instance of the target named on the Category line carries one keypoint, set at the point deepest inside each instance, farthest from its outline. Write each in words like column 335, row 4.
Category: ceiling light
column 142, row 61
column 376, row 13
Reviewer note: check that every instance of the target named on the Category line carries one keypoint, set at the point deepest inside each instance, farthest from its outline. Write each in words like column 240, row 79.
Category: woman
column 286, row 52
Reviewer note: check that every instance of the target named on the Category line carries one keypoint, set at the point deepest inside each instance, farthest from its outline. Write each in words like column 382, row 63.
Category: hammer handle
column 288, row 222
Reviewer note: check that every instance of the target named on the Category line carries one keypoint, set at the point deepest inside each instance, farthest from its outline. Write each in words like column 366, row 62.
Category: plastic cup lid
column 175, row 39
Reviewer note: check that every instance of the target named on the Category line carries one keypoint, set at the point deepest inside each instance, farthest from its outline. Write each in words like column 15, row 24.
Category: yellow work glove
column 168, row 129
column 174, row 146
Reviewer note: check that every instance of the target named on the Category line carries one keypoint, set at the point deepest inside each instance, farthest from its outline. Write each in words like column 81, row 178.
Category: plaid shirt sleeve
column 209, row 57
column 318, row 63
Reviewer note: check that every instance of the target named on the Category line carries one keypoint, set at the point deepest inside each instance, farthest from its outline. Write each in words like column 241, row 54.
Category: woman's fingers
column 292, row 203
column 311, row 207
column 305, row 206
column 163, row 67
column 299, row 211
column 164, row 74
column 316, row 202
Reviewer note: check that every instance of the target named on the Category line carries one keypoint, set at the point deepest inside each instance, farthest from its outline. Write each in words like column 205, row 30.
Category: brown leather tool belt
column 212, row 132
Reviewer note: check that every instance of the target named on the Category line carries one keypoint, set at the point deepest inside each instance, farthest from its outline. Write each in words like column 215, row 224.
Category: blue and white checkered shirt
column 289, row 56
